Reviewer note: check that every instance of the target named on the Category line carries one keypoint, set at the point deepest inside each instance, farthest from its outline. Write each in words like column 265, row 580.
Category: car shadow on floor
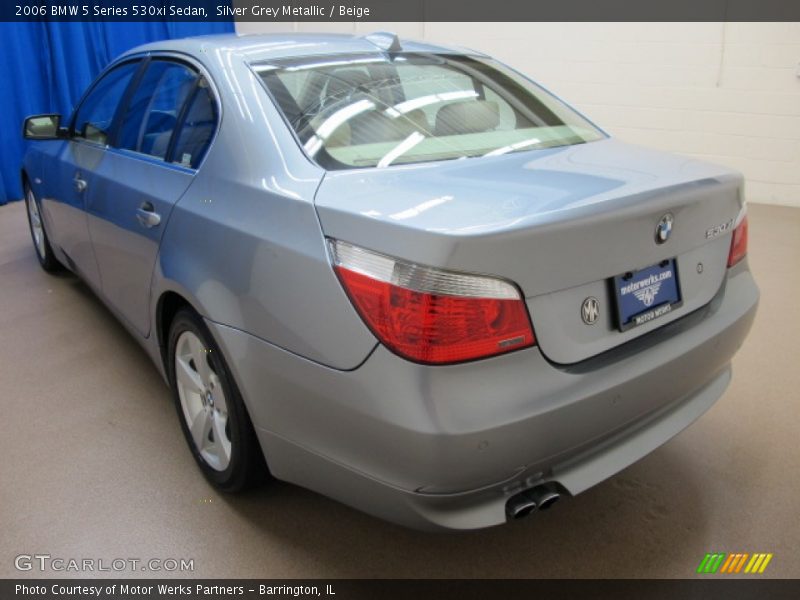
column 632, row 525
column 636, row 524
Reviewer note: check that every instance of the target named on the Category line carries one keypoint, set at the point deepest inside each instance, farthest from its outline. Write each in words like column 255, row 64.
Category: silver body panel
column 242, row 240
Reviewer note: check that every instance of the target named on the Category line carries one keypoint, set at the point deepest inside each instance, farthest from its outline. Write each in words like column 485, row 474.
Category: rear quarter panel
column 244, row 243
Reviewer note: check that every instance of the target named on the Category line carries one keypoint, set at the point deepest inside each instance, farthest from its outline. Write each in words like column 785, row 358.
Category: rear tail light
column 430, row 315
column 738, row 243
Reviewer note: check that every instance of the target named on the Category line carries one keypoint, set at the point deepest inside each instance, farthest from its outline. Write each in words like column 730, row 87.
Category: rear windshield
column 366, row 110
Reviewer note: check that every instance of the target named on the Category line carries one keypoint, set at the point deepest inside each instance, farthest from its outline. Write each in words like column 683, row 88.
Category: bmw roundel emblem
column 664, row 228
column 590, row 310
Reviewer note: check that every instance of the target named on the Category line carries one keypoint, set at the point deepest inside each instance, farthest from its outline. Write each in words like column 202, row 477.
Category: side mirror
column 43, row 127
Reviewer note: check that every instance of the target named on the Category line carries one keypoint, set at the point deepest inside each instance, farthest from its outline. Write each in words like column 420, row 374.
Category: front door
column 71, row 173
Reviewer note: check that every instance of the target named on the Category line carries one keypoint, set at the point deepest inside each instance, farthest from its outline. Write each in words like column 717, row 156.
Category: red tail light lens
column 430, row 315
column 738, row 243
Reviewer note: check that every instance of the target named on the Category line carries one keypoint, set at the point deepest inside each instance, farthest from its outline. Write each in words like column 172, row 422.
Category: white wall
column 726, row 92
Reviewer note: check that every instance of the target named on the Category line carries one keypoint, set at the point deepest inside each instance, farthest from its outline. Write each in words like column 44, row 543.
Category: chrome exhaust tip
column 544, row 497
column 520, row 506
column 523, row 504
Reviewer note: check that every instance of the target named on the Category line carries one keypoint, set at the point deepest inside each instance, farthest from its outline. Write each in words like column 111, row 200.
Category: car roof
column 260, row 47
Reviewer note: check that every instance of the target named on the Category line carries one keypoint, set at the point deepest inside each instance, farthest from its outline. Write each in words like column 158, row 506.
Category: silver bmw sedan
column 402, row 275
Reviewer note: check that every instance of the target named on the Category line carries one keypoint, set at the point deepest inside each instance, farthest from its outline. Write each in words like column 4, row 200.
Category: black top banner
column 401, row 10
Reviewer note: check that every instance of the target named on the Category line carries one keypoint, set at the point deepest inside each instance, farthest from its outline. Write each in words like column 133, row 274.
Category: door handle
column 80, row 183
column 147, row 216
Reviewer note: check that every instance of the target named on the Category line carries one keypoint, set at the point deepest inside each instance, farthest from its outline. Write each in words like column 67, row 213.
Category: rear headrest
column 468, row 116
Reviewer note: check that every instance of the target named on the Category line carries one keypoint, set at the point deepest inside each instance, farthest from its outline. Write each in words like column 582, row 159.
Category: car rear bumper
column 446, row 447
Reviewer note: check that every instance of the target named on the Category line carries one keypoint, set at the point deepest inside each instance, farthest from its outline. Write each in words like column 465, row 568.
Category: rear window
column 380, row 110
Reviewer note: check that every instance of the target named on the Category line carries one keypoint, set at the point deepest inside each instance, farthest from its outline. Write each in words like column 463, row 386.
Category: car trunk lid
column 561, row 223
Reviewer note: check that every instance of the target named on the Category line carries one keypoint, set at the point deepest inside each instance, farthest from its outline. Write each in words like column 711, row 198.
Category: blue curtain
column 45, row 68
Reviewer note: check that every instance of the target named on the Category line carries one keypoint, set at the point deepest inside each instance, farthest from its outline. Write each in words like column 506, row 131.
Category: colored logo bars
column 720, row 562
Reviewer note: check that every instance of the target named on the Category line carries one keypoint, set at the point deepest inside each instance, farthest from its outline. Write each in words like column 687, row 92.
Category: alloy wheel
column 202, row 400
column 36, row 224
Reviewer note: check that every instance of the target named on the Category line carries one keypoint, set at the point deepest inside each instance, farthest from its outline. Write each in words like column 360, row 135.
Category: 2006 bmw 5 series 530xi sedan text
column 402, row 275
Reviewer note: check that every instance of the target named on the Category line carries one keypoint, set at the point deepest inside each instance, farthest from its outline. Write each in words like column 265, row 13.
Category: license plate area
column 647, row 294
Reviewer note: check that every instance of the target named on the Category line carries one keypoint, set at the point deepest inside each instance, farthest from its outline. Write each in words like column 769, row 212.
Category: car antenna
column 385, row 40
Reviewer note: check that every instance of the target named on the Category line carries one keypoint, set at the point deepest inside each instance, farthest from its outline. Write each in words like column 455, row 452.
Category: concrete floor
column 94, row 464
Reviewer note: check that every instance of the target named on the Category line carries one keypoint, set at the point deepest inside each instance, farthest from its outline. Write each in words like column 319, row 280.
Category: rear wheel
column 212, row 414
column 41, row 244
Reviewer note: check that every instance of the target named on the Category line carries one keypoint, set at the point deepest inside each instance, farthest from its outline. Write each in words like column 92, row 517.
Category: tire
column 210, row 408
column 41, row 243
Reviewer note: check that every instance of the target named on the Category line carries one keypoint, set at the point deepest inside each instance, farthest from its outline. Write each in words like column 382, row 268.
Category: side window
column 154, row 109
column 198, row 128
column 96, row 113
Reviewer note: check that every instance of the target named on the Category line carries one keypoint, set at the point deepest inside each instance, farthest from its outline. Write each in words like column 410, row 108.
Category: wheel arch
column 167, row 306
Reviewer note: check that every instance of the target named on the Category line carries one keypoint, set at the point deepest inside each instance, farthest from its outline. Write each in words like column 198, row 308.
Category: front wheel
column 41, row 243
column 213, row 417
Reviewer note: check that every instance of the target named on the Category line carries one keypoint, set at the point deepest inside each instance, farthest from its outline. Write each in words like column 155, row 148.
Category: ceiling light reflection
column 513, row 147
column 415, row 103
column 420, row 208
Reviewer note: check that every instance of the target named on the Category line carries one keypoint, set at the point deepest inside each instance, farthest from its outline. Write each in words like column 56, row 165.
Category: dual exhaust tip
column 523, row 504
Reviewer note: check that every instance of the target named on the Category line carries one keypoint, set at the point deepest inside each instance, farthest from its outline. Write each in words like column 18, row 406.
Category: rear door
column 165, row 126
